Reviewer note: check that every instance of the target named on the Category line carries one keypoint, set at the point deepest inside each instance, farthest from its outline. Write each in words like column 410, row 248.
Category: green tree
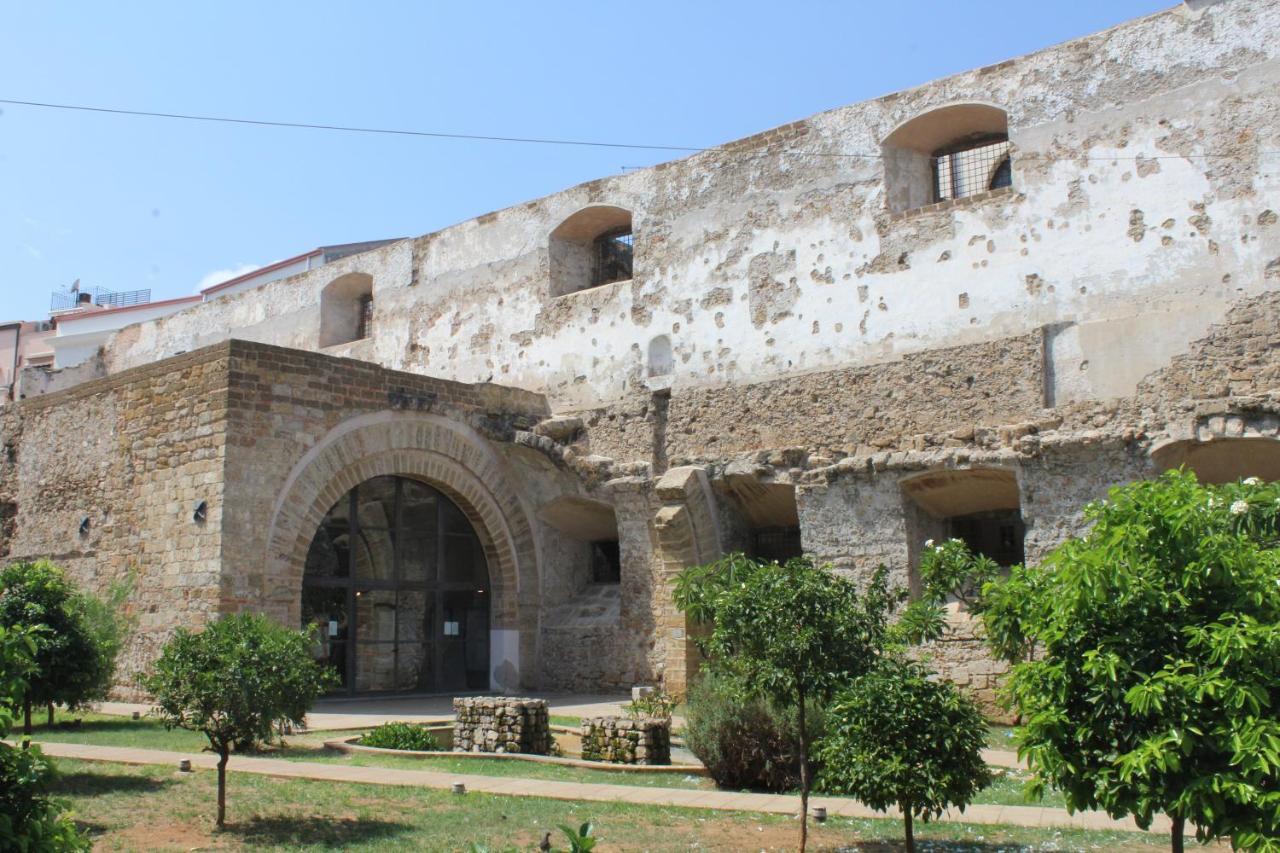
column 795, row 633
column 71, row 668
column 1148, row 659
column 898, row 736
column 237, row 681
column 29, row 819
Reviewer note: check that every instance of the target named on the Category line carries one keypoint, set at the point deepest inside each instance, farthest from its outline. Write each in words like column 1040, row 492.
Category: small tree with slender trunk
column 795, row 633
column 237, row 681
column 71, row 665
column 898, row 736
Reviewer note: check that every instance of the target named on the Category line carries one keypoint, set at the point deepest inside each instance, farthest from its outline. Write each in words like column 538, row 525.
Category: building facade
column 478, row 458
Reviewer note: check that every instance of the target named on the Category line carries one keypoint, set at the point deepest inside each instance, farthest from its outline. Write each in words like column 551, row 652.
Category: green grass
column 107, row 730
column 447, row 763
column 1008, row 788
column 153, row 808
column 564, row 720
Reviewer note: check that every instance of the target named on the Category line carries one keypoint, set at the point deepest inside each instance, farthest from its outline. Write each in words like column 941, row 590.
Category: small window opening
column 770, row 544
column 364, row 328
column 661, row 360
column 997, row 534
column 613, row 253
column 971, row 168
column 606, row 561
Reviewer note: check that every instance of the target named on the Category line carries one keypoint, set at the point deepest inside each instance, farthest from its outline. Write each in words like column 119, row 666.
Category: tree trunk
column 223, row 755
column 26, row 716
column 906, row 824
column 1179, row 827
column 50, row 715
column 804, row 778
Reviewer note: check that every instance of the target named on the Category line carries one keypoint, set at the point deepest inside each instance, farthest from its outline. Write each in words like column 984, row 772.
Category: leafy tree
column 237, row 681
column 1148, row 658
column 796, row 633
column 29, row 819
column 71, row 668
column 898, row 736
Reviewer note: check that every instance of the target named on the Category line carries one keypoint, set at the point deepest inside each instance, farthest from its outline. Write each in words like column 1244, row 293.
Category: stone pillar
column 687, row 535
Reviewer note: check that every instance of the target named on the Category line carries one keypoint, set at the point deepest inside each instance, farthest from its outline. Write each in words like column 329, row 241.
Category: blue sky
column 127, row 203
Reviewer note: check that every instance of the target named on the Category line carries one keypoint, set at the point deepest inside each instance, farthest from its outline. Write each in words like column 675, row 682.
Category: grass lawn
column 1007, row 788
column 154, row 808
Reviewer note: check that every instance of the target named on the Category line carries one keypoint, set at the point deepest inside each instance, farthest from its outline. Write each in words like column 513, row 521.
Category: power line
column 532, row 140
column 349, row 128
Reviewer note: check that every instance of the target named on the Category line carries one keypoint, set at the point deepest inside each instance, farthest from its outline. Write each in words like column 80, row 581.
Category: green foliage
column 947, row 570
column 581, row 839
column 1156, row 681
column 796, row 633
column 108, row 622
column 29, row 819
column 901, row 737
column 698, row 587
column 657, row 705
column 71, row 667
column 401, row 736
column 238, row 681
column 743, row 740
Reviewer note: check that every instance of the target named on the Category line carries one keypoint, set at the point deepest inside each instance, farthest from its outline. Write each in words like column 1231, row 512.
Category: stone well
column 623, row 740
column 501, row 724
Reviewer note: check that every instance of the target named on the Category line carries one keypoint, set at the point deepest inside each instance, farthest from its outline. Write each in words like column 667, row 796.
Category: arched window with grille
column 592, row 248
column 949, row 153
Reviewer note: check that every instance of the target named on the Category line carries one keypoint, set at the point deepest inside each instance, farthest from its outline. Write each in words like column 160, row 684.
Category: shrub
column 401, row 736
column 29, row 819
column 745, row 741
column 656, row 706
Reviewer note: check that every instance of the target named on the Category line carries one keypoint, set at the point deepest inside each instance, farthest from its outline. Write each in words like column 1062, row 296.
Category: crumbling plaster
column 775, row 255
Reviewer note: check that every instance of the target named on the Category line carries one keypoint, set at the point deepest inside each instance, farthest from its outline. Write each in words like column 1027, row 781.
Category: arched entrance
column 396, row 589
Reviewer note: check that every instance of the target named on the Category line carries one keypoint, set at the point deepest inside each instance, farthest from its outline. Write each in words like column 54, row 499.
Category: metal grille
column 120, row 300
column 65, row 300
column 973, row 169
column 364, row 327
column 775, row 543
column 613, row 253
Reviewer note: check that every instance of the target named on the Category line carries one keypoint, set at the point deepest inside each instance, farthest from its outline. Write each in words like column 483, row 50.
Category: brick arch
column 448, row 456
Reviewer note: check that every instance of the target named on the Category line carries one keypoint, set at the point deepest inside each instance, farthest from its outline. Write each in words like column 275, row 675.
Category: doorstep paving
column 1033, row 816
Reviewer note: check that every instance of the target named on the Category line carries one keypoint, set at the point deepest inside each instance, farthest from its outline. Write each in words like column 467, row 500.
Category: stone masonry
column 623, row 740
column 814, row 353
column 503, row 724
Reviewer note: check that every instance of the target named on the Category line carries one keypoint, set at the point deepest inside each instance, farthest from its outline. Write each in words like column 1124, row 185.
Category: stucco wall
column 1138, row 190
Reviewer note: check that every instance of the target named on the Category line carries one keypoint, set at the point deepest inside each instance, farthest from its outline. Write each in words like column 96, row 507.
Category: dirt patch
column 160, row 836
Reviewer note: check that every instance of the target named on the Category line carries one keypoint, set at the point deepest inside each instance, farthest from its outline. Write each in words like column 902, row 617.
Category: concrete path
column 582, row 792
column 360, row 713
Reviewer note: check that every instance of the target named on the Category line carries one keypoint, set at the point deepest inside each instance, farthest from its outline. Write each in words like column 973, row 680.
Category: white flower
column 938, row 548
column 928, row 543
column 1213, row 502
column 1239, row 507
column 1252, row 481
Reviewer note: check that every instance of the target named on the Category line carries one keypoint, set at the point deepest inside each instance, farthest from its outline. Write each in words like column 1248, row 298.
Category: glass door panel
column 324, row 615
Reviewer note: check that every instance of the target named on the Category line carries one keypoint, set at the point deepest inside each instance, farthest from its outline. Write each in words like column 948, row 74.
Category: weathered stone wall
column 501, row 724
column 133, row 455
column 622, row 740
column 1138, row 213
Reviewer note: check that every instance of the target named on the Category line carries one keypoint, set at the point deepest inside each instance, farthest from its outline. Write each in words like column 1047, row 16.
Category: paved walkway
column 582, row 792
column 346, row 714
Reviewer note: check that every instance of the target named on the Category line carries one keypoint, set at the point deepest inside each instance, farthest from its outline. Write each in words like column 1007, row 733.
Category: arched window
column 945, row 154
column 346, row 309
column 590, row 249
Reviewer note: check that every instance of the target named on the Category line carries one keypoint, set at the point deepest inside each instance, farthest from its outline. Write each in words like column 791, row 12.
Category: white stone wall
column 776, row 254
